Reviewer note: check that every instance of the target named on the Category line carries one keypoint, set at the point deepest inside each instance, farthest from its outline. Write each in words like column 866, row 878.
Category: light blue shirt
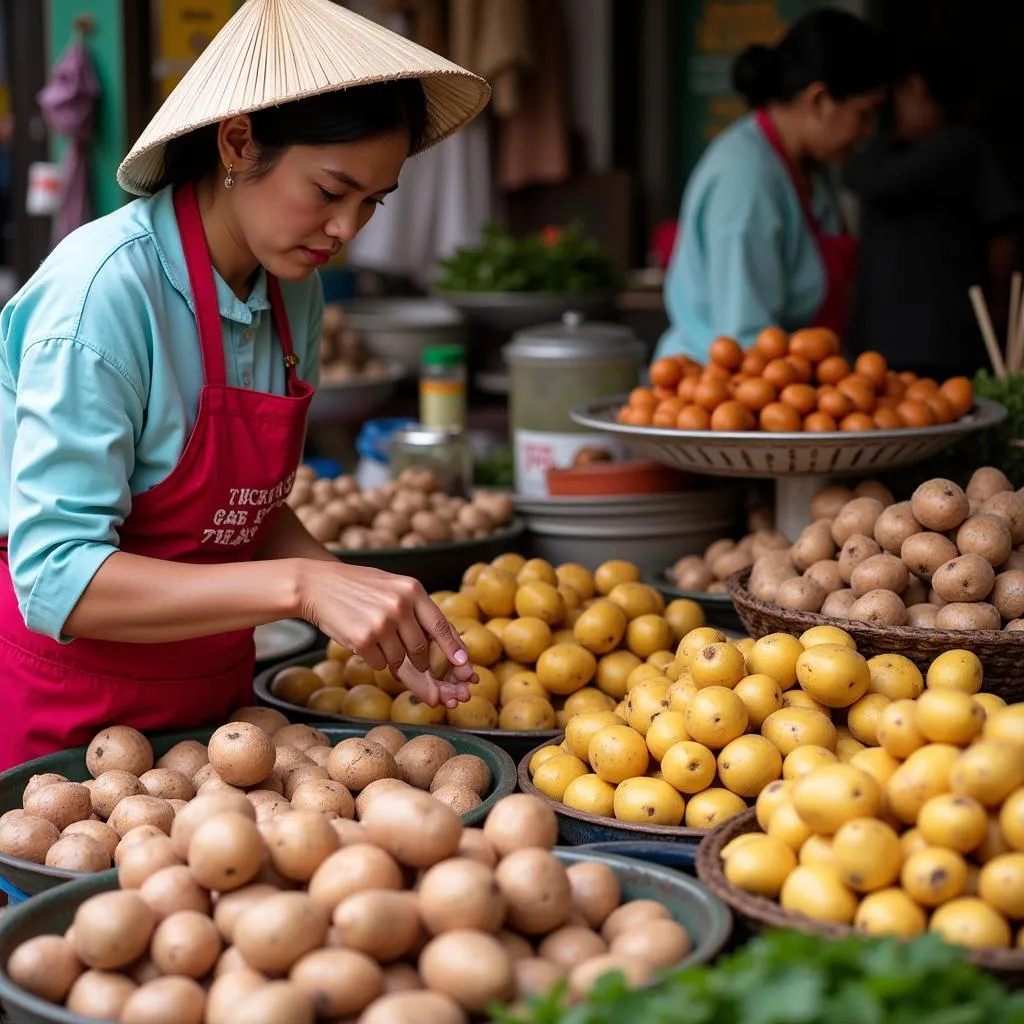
column 100, row 374
column 746, row 258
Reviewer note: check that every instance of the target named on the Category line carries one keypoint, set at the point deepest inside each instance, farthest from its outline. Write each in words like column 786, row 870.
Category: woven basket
column 760, row 913
column 1001, row 652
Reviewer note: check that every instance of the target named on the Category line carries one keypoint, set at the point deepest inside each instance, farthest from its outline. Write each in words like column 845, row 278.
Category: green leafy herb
column 560, row 260
column 792, row 978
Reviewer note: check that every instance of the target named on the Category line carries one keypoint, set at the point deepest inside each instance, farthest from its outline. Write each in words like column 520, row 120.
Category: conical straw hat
column 275, row 51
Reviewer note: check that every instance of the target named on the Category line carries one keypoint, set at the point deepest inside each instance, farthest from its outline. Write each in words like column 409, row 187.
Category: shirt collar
column 172, row 255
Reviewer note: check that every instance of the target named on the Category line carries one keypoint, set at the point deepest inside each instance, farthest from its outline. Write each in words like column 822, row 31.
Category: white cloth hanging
column 443, row 202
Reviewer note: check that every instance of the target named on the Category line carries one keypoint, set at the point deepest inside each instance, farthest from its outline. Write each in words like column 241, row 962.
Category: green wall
column 106, row 46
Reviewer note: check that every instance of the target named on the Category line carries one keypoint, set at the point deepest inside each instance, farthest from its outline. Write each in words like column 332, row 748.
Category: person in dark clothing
column 938, row 215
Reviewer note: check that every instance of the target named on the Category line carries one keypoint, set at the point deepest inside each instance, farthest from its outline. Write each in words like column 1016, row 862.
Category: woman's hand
column 388, row 620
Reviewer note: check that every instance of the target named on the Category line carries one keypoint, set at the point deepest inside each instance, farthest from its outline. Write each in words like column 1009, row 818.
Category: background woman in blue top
column 762, row 240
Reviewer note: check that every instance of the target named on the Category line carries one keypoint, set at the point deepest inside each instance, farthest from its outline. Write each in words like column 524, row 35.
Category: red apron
column 216, row 506
column 839, row 253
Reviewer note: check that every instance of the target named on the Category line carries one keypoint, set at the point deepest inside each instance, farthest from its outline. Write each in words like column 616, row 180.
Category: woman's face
column 299, row 214
column 836, row 127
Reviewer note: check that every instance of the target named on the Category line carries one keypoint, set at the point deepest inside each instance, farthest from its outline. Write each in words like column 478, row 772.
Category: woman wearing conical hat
column 155, row 376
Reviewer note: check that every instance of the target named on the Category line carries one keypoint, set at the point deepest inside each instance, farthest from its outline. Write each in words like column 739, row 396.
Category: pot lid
column 575, row 338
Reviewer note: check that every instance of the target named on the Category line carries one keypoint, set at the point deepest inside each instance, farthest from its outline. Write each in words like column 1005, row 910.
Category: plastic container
column 551, row 369
column 373, row 445
column 443, row 388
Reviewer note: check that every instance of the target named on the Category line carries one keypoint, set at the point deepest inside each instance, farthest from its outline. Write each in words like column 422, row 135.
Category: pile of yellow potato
column 547, row 643
column 695, row 739
column 923, row 832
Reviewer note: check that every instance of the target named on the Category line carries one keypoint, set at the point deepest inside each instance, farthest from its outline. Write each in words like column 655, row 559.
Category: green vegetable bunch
column 559, row 260
column 792, row 978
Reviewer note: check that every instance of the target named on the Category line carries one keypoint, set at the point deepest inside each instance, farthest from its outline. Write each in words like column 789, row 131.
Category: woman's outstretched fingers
column 415, row 643
column 432, row 619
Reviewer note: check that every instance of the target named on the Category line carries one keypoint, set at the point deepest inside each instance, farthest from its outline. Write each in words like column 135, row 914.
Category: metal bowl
column 515, row 742
column 399, row 329
column 436, row 566
column 353, row 401
column 507, row 312
column 33, row 878
column 706, row 918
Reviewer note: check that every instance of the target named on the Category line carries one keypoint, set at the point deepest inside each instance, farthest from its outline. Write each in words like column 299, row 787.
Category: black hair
column 347, row 115
column 937, row 68
column 830, row 46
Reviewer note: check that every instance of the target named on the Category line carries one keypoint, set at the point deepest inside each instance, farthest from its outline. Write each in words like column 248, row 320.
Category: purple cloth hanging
column 68, row 103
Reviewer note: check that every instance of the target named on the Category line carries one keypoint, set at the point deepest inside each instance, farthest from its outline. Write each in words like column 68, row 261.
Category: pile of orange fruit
column 791, row 383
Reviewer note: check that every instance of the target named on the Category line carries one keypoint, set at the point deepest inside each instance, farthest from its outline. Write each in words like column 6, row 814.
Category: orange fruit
column 642, row 398
column 753, row 363
column 887, row 418
column 734, row 416
column 716, row 371
column 661, row 393
column 666, row 373
column 693, row 417
column 802, row 397
column 667, row 412
column 772, row 343
column 872, row 365
column 860, row 391
column 802, row 368
column 920, row 389
column 894, row 387
column 857, row 421
column 779, row 373
column 915, row 413
column 832, row 370
column 687, row 386
column 755, row 393
column 820, row 423
column 907, row 376
column 814, row 343
column 960, row 392
column 834, row 402
column 941, row 407
column 636, row 416
column 777, row 418
column 710, row 393
column 726, row 352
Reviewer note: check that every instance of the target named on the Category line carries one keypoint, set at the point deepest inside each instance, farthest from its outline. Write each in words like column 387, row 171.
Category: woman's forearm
column 134, row 599
column 288, row 538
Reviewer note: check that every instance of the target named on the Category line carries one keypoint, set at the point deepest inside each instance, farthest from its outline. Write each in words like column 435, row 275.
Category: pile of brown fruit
column 406, row 918
column 947, row 559
column 276, row 767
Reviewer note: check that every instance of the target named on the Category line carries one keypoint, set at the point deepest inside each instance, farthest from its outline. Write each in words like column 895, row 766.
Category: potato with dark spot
column 923, row 553
column 856, row 548
column 879, row 572
column 1009, row 506
column 895, row 524
column 965, row 579
column 242, row 754
column 1008, row 594
column 800, row 594
column 856, row 517
column 973, row 616
column 838, row 604
column 827, row 575
column 420, row 759
column 119, row 748
column 940, row 505
column 879, row 608
column 986, row 535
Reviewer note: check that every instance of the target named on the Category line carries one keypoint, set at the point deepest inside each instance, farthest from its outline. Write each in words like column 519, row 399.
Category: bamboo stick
column 988, row 333
column 1013, row 334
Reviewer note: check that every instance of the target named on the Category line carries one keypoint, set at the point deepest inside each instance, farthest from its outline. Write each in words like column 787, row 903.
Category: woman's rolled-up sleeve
column 77, row 413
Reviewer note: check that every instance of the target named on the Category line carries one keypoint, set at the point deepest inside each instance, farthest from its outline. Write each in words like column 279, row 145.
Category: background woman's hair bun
column 755, row 74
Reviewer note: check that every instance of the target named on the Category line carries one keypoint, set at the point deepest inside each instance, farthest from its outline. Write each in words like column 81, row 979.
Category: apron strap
column 204, row 288
column 284, row 331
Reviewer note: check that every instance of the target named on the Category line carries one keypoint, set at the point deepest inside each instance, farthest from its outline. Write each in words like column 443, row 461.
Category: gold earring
column 229, row 178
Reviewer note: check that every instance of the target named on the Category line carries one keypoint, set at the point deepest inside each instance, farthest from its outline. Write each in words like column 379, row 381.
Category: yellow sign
column 184, row 30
